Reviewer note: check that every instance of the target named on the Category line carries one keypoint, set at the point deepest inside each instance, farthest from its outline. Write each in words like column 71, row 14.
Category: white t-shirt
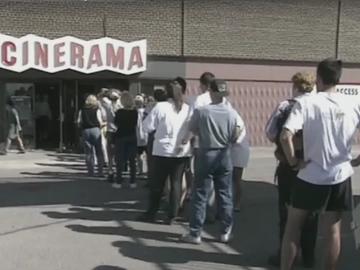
column 171, row 128
column 202, row 100
column 328, row 121
column 142, row 137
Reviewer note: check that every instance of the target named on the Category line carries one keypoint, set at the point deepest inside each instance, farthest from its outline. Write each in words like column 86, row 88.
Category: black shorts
column 313, row 197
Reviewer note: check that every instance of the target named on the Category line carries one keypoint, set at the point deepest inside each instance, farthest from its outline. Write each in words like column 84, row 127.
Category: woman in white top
column 170, row 119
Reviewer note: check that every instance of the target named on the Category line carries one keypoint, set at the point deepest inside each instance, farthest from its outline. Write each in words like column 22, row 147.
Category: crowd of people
column 125, row 131
column 198, row 150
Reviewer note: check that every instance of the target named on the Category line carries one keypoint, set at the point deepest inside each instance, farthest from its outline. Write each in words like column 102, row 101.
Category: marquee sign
column 34, row 52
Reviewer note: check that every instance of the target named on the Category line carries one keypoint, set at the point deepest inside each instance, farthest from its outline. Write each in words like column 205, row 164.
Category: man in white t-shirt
column 328, row 120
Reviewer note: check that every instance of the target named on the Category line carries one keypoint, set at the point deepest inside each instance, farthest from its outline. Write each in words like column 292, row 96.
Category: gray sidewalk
column 54, row 217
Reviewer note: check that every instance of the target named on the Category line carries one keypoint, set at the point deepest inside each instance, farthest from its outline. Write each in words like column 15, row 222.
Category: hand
column 184, row 141
column 300, row 164
column 179, row 149
column 355, row 162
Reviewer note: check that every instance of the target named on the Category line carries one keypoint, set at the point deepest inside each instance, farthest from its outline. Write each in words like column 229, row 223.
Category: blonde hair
column 127, row 100
column 303, row 81
column 91, row 101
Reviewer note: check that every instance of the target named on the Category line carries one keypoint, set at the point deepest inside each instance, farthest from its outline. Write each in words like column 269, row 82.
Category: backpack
column 281, row 120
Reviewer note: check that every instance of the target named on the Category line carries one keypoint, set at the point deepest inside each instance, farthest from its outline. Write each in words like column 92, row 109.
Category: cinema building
column 54, row 52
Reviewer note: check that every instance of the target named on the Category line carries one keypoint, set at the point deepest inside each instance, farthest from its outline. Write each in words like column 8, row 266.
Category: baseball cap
column 219, row 86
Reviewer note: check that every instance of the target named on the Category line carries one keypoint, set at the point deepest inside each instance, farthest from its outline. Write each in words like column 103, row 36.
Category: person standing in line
column 170, row 121
column 303, row 86
column 159, row 96
column 111, row 109
column 328, row 121
column 14, row 127
column 104, row 102
column 216, row 127
column 90, row 121
column 240, row 154
column 142, row 137
column 202, row 100
column 126, row 120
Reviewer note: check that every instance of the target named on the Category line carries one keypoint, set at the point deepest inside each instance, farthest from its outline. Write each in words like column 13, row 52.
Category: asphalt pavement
column 55, row 217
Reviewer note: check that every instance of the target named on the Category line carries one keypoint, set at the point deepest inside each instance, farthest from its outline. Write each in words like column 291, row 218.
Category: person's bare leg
column 20, row 143
column 332, row 224
column 294, row 224
column 237, row 180
column 7, row 145
column 183, row 191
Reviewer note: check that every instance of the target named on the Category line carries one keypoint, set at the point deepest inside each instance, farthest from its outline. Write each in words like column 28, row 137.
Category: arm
column 271, row 129
column 78, row 121
column 286, row 140
column 151, row 121
column 240, row 127
column 193, row 129
column 100, row 118
column 17, row 119
column 294, row 123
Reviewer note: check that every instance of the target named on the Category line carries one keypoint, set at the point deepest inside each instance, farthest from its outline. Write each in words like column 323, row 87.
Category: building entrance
column 47, row 115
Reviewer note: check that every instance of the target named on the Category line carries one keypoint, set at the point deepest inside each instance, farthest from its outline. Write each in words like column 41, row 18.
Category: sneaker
column 188, row 238
column 133, row 185
column 116, row 185
column 22, row 151
column 226, row 237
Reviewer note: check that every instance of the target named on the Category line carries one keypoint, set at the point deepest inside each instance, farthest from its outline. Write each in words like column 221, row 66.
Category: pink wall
column 255, row 90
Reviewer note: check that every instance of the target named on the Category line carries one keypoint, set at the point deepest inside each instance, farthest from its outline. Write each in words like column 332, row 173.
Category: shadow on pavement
column 108, row 267
column 255, row 229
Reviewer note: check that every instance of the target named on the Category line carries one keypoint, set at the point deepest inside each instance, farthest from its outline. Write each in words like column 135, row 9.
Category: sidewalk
column 54, row 217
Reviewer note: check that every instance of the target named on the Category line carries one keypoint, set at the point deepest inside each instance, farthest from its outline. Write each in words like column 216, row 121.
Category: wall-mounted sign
column 34, row 52
column 348, row 89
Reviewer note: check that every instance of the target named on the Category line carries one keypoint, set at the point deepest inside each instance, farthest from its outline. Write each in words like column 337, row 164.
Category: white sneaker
column 226, row 237
column 133, row 185
column 188, row 238
column 116, row 185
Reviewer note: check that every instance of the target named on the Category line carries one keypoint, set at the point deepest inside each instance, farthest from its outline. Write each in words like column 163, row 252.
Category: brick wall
column 247, row 29
column 158, row 21
column 349, row 45
column 261, row 29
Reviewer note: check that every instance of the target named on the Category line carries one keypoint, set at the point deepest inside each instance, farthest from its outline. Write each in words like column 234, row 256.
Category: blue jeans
column 92, row 140
column 212, row 165
column 126, row 150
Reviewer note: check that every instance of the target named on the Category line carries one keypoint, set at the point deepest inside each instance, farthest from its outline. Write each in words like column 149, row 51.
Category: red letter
column 6, row 47
column 25, row 53
column 135, row 58
column 58, row 54
column 77, row 55
column 94, row 57
column 41, row 54
column 115, row 60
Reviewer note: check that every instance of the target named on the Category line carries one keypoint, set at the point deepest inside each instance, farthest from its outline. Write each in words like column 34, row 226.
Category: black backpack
column 284, row 114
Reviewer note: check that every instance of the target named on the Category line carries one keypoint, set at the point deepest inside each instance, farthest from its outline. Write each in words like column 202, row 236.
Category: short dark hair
column 10, row 102
column 182, row 83
column 160, row 95
column 330, row 71
column 206, row 78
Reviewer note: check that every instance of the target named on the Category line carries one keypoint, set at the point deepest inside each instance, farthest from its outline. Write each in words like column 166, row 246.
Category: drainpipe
column 337, row 39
